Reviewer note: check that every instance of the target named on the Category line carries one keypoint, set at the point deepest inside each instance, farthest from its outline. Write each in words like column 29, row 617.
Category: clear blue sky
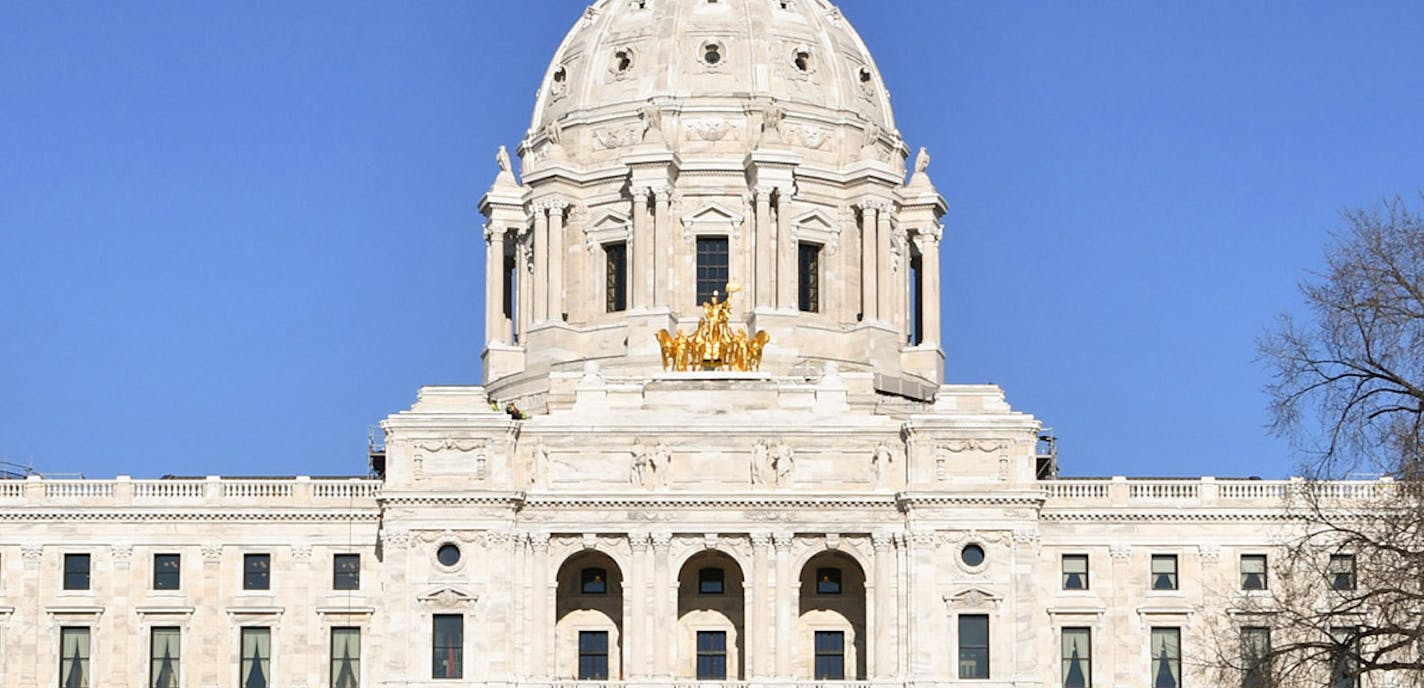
column 233, row 235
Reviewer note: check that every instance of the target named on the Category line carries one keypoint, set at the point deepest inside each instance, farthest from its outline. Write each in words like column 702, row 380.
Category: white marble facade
column 841, row 507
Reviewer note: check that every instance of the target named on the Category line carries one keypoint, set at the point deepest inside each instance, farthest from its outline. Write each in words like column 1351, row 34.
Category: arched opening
column 831, row 621
column 711, row 612
column 588, row 621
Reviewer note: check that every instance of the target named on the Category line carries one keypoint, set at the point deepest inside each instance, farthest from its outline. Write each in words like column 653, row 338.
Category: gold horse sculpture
column 713, row 345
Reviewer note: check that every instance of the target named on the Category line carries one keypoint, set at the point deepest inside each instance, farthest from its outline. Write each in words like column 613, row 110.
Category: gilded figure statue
column 713, row 345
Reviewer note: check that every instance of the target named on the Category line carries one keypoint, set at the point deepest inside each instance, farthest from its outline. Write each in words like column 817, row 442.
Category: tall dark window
column 346, row 572
column 167, row 571
column 345, row 657
column 447, row 645
column 1166, row 652
column 830, row 656
column 711, row 268
column 509, row 283
column 593, row 655
column 1342, row 572
column 710, row 581
column 255, row 669
column 615, row 276
column 76, row 572
column 1164, row 572
column 1253, row 572
column 256, row 571
column 828, row 581
column 917, row 296
column 1255, row 646
column 164, row 655
column 74, row 657
column 1077, row 658
column 973, row 646
column 1075, row 572
column 711, row 655
column 1344, row 670
column 593, row 581
column 808, row 277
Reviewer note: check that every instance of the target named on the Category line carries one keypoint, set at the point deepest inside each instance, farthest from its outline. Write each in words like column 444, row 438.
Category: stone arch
column 836, row 614
column 583, row 607
column 806, row 550
column 710, row 611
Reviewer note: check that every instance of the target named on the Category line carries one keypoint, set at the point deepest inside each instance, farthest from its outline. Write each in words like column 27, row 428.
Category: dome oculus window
column 711, row 53
column 448, row 555
column 972, row 555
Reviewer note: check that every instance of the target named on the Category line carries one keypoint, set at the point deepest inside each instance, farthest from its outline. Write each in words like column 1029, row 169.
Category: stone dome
column 801, row 55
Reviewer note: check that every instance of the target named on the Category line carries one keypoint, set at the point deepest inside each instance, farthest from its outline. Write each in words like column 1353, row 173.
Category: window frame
column 712, row 655
column 826, row 659
column 1175, row 633
column 455, row 652
column 86, row 679
column 160, row 575
column 1086, row 583
column 593, row 580
column 963, row 647
column 1245, row 577
column 1152, row 573
column 828, row 577
column 615, row 276
column 1252, row 666
column 1351, row 635
column 345, row 580
column 708, row 274
column 590, row 660
column 331, row 656
column 255, row 565
column 75, row 578
column 704, row 579
column 1333, row 575
column 808, row 276
column 177, row 662
column 1086, row 656
column 243, row 668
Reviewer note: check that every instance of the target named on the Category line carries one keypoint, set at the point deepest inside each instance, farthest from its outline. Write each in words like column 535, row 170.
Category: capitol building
column 713, row 444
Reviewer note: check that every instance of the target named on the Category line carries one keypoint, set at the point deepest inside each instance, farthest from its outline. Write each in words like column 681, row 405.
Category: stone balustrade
column 212, row 490
column 1121, row 491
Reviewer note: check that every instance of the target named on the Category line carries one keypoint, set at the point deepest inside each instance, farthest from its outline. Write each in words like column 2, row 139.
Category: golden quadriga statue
column 713, row 346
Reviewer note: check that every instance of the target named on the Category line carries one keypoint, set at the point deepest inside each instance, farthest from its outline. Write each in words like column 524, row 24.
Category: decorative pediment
column 448, row 598
column 818, row 226
column 714, row 217
column 609, row 225
column 973, row 598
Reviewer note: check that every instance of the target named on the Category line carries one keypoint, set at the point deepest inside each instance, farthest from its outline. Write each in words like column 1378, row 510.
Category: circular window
column 711, row 53
column 972, row 555
column 448, row 555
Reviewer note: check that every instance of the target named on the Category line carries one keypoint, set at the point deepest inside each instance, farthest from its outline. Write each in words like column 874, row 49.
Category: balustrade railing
column 1206, row 491
column 124, row 490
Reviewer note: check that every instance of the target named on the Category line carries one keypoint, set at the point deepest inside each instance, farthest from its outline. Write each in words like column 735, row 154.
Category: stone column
column 523, row 280
column 556, row 260
column 763, row 245
column 208, row 613
column 541, row 631
column 27, row 644
column 929, row 285
column 787, row 584
column 640, row 253
column 663, row 621
column 760, row 614
column 921, row 606
column 663, row 244
column 120, row 624
column 882, row 260
column 785, row 252
column 541, row 262
column 882, row 640
column 638, row 627
column 494, row 286
column 868, row 280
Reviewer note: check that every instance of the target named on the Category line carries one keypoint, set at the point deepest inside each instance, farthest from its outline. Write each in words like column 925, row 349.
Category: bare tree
column 1345, row 602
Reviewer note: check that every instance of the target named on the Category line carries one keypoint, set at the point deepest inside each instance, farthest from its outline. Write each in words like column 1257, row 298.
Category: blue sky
column 233, row 236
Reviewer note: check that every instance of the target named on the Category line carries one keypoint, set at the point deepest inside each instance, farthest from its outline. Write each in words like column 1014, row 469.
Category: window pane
column 1077, row 658
column 1255, row 645
column 1342, row 571
column 74, row 657
column 1166, row 652
column 973, row 646
column 1164, row 572
column 345, row 657
column 711, row 268
column 593, row 655
column 346, row 570
column 256, row 571
column 615, row 276
column 448, row 645
column 710, row 581
column 830, row 655
column 164, row 648
column 594, row 581
column 1253, row 572
column 711, row 655
column 808, row 277
column 76, row 572
column 167, row 569
column 828, row 581
column 1075, row 572
column 256, row 667
column 1343, row 671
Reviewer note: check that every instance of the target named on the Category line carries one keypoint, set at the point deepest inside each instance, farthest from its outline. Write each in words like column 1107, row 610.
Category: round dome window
column 448, row 555
column 972, row 555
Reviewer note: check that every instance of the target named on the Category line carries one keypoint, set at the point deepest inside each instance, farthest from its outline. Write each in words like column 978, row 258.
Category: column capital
column 639, row 541
column 662, row 541
column 539, row 541
column 882, row 540
column 761, row 539
column 212, row 554
column 782, row 540
column 877, row 204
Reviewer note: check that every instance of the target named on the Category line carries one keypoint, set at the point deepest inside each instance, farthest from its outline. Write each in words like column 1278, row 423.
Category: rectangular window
column 1253, row 572
column 711, row 581
column 593, row 655
column 508, row 287
column 973, row 646
column 1166, row 652
column 163, row 656
column 808, row 277
column 346, row 572
column 256, row 571
column 1344, row 670
column 167, row 571
column 830, row 656
column 1342, row 572
column 711, row 655
column 593, row 581
column 1075, row 572
column 615, row 276
column 345, row 657
column 1077, row 658
column 828, row 581
column 448, row 646
column 76, row 572
column 255, row 669
column 74, row 656
column 1164, row 572
column 711, row 268
column 1255, row 646
column 917, row 296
